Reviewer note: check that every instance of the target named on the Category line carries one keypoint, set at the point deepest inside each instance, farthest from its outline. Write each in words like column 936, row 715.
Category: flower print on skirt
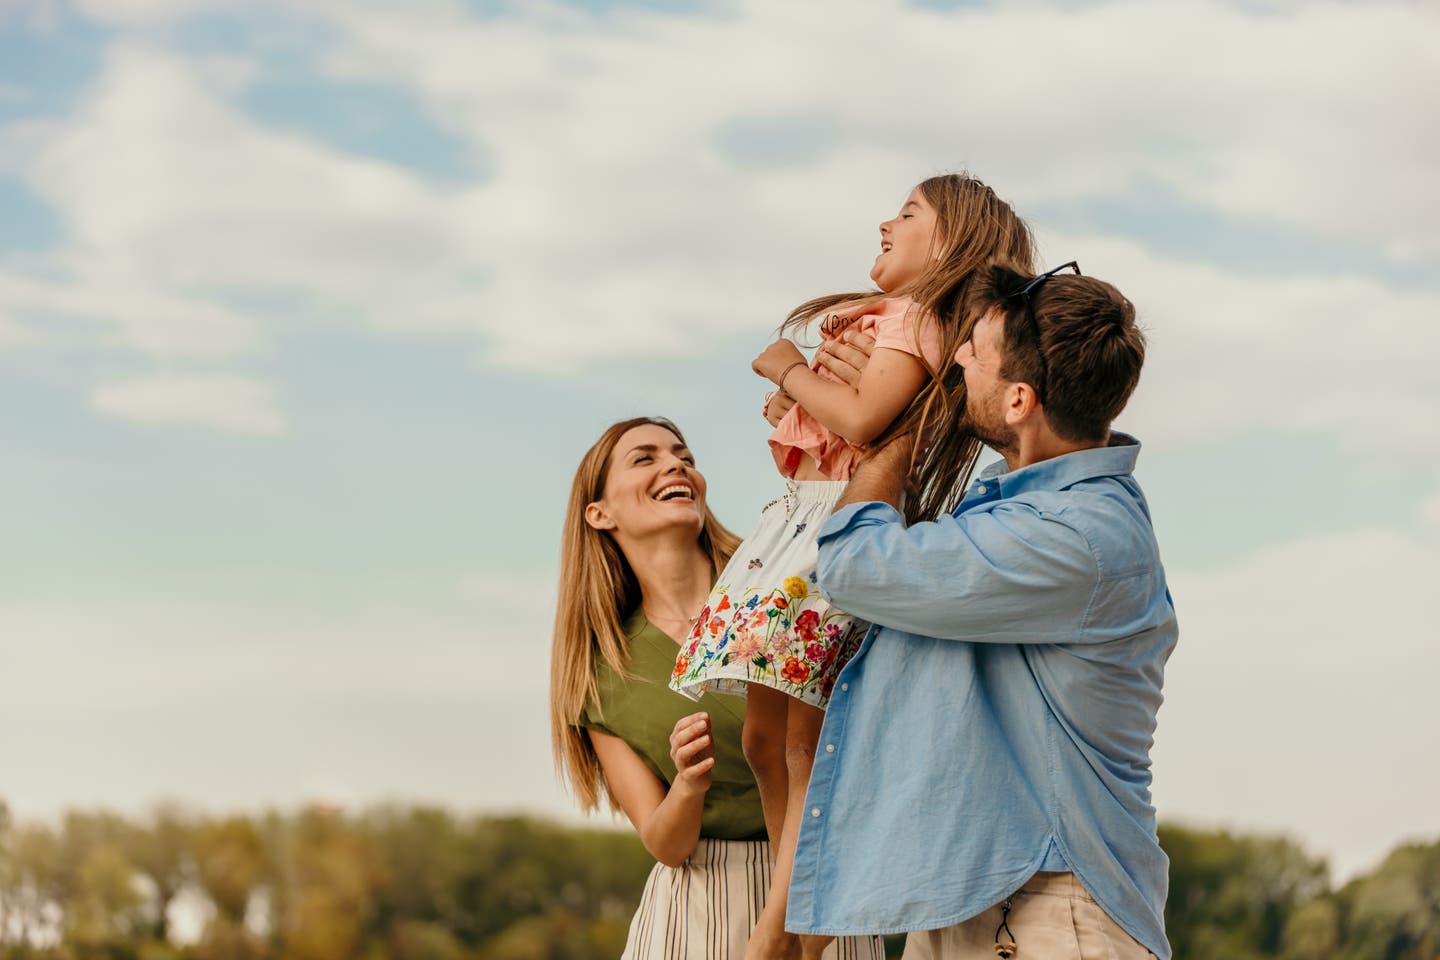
column 765, row 621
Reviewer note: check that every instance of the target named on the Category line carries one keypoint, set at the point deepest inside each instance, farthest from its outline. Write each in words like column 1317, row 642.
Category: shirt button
column 844, row 687
column 829, row 748
column 980, row 488
column 814, row 811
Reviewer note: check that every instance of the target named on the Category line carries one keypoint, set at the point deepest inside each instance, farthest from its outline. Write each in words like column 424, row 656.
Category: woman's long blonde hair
column 973, row 228
column 598, row 592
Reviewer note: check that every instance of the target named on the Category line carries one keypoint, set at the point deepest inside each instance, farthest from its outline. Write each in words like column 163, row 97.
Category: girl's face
column 651, row 486
column 907, row 244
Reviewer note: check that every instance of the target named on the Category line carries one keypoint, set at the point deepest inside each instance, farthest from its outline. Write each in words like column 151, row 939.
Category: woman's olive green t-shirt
column 642, row 710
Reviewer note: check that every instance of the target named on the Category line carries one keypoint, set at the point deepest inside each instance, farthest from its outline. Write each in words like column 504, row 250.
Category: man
column 983, row 774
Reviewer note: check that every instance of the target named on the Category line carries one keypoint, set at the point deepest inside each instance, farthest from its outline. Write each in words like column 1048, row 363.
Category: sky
column 308, row 311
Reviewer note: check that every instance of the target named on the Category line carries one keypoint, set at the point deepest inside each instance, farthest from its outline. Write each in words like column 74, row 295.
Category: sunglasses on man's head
column 1029, row 288
column 1024, row 294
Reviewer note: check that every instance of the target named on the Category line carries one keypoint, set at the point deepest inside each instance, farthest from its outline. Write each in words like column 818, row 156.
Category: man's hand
column 847, row 356
column 693, row 753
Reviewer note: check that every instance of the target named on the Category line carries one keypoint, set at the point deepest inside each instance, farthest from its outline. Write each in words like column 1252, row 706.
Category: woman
column 640, row 550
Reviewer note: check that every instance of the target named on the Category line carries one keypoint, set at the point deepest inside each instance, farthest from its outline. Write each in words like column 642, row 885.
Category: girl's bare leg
column 763, row 739
column 769, row 939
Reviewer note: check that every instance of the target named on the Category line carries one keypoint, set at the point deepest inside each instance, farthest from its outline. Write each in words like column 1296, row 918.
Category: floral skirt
column 765, row 621
column 705, row 908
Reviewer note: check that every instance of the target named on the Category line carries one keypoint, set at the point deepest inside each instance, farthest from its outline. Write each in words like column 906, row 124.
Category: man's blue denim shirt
column 998, row 719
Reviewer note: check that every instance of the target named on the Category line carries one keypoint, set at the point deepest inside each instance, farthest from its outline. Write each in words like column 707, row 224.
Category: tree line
column 421, row 883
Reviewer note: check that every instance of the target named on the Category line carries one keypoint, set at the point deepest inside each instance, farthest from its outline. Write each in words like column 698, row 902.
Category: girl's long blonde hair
column 973, row 228
column 598, row 592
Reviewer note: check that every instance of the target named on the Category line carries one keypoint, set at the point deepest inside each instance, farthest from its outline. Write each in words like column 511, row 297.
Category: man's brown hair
column 1093, row 348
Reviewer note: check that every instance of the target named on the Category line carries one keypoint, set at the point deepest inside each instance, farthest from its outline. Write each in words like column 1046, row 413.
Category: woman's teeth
column 676, row 490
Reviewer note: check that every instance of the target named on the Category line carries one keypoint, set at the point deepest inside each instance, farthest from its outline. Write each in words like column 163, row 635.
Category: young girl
column 765, row 631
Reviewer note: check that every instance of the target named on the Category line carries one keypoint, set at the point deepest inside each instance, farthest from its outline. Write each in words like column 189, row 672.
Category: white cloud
column 1430, row 510
column 1098, row 99
column 1233, row 354
column 168, row 192
column 616, row 224
column 220, row 401
column 13, row 334
column 1299, row 697
column 141, row 315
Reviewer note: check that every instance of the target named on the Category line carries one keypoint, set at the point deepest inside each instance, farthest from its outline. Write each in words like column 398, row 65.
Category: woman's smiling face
column 906, row 244
column 651, row 485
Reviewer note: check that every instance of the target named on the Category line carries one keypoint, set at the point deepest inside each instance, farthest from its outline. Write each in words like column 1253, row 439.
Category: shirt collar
column 1113, row 460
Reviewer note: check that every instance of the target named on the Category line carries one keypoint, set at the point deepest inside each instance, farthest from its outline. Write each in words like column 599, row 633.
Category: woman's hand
column 693, row 753
column 775, row 359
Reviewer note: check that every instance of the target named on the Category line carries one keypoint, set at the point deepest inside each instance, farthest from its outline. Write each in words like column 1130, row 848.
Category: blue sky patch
column 380, row 122
column 42, row 73
column 291, row 42
column 26, row 223
column 373, row 120
column 1215, row 503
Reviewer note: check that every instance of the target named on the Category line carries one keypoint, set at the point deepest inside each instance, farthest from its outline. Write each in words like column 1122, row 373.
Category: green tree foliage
column 1230, row 895
column 161, row 849
column 1312, row 931
column 418, row 883
column 1394, row 912
column 32, row 886
column 229, row 862
column 105, row 909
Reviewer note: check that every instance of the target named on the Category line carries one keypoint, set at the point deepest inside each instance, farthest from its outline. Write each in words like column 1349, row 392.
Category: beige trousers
column 1051, row 918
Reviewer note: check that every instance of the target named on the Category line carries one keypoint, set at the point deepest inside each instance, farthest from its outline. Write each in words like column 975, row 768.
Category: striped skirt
column 704, row 909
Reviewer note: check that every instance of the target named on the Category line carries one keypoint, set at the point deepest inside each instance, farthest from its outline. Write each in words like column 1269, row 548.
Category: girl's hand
column 693, row 753
column 775, row 359
column 776, row 407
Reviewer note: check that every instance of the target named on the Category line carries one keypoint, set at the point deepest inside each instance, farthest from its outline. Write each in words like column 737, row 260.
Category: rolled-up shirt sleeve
column 1009, row 574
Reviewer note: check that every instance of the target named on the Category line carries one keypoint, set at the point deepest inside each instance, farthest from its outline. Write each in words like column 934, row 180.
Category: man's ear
column 596, row 516
column 1020, row 402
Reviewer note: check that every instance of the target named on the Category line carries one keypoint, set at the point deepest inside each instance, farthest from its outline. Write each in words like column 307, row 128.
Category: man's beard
column 987, row 426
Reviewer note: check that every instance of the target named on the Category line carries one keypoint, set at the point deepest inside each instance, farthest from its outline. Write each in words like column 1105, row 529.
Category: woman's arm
column 859, row 412
column 668, row 821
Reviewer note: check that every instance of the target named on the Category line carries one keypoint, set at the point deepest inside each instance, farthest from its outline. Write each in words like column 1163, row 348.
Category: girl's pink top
column 892, row 323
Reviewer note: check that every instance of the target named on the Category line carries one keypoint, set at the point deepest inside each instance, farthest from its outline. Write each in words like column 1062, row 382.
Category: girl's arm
column 858, row 412
column 845, row 358
column 668, row 821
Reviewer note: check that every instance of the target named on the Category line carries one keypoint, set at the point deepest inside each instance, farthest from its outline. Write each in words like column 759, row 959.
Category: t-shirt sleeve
column 896, row 329
column 591, row 719
column 607, row 691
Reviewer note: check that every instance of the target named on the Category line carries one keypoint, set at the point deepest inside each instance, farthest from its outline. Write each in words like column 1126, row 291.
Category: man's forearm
column 879, row 477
